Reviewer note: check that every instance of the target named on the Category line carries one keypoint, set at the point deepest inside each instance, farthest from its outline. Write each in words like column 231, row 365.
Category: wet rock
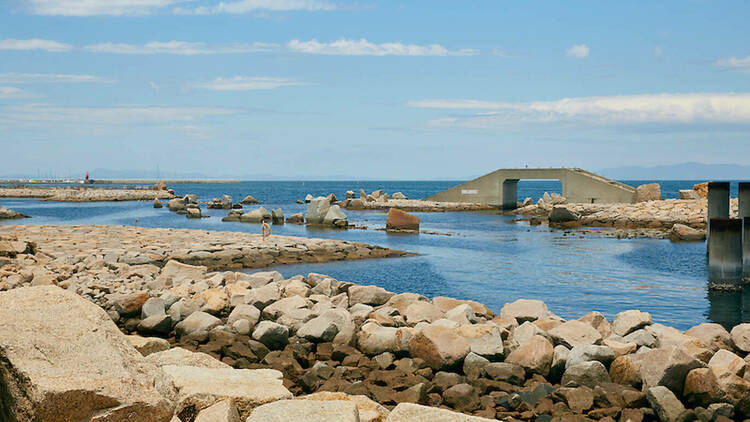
column 249, row 200
column 49, row 365
column 535, row 356
column 277, row 216
column 401, row 220
column 629, row 321
column 665, row 404
column 589, row 374
column 525, row 310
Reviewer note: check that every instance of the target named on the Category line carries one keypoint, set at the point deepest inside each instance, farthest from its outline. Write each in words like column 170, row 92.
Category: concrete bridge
column 500, row 187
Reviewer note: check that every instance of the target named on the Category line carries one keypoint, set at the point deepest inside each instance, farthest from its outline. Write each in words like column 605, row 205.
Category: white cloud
column 362, row 47
column 246, row 83
column 579, row 51
column 110, row 116
column 178, row 47
column 13, row 92
column 725, row 108
column 97, row 7
column 34, row 44
column 741, row 64
column 250, row 6
column 18, row 78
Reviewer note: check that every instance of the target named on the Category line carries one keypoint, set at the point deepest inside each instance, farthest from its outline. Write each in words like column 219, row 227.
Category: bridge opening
column 533, row 189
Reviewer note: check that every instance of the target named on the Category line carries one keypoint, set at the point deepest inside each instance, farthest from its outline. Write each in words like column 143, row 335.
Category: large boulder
column 525, row 310
column 648, row 192
column 373, row 339
column 176, row 204
column 668, row 367
column 562, row 215
column 683, row 233
column 277, row 216
column 335, row 217
column 587, row 374
column 272, row 335
column 741, row 337
column 63, row 359
column 689, row 194
column 439, row 346
column 256, row 216
column 317, row 210
column 535, row 355
column 628, row 321
column 223, row 411
column 199, row 388
column 712, row 334
column 575, row 333
column 666, row 405
column 249, row 200
column 401, row 220
column 701, row 189
column 369, row 295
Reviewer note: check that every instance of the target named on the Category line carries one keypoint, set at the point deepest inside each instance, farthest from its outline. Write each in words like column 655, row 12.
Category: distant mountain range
column 683, row 171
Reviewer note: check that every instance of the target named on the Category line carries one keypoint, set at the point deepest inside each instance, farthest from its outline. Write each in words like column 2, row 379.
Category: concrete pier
column 718, row 203
column 743, row 195
column 725, row 254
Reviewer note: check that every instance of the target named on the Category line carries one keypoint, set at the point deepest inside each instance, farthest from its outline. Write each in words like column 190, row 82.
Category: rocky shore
column 82, row 194
column 62, row 247
column 9, row 214
column 229, row 346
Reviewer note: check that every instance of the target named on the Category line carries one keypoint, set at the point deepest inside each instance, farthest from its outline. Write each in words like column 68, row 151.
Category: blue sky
column 370, row 89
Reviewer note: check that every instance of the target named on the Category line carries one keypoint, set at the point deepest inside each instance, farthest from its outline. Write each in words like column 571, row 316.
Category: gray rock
column 562, row 215
column 335, row 217
column 474, row 366
column 317, row 210
column 507, row 372
column 272, row 335
column 198, row 323
column 277, row 216
column 575, row 333
column 263, row 296
column 559, row 361
column 257, row 215
column 668, row 367
column 153, row 306
column 177, row 204
column 249, row 200
column 297, row 218
column 741, row 337
column 640, row 337
column 588, row 374
column 156, row 324
column 665, row 404
column 590, row 352
column 243, row 311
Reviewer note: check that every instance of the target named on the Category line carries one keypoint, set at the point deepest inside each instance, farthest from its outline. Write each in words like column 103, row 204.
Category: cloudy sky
column 370, row 89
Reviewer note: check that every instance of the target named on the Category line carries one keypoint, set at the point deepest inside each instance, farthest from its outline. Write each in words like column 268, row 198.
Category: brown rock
column 702, row 388
column 701, row 189
column 401, row 220
column 648, row 192
column 131, row 304
column 440, row 347
column 683, row 233
column 535, row 355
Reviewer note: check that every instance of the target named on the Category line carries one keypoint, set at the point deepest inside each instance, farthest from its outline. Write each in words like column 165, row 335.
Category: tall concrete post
column 510, row 194
column 746, row 250
column 718, row 203
column 743, row 195
column 725, row 254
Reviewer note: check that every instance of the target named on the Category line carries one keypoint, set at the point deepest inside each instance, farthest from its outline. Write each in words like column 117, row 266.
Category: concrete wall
column 500, row 187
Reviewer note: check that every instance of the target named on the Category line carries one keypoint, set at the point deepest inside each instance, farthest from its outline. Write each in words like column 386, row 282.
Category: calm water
column 488, row 257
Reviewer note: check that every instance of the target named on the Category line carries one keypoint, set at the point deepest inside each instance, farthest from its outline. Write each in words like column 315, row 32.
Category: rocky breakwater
column 380, row 200
column 9, row 214
column 81, row 194
column 77, row 254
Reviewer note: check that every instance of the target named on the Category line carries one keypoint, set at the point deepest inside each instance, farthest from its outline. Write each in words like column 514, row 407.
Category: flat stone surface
column 306, row 411
column 408, row 412
column 213, row 249
column 85, row 194
column 202, row 387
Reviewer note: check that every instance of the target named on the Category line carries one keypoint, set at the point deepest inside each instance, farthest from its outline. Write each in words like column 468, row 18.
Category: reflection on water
column 729, row 308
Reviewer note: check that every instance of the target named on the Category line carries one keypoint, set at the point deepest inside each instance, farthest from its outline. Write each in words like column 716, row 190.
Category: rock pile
column 225, row 203
column 6, row 213
column 333, row 341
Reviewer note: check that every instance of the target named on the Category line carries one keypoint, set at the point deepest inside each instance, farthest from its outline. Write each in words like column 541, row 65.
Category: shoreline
column 330, row 340
column 83, row 193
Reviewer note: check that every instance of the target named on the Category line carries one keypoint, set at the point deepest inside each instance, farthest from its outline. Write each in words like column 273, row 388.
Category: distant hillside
column 684, row 171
